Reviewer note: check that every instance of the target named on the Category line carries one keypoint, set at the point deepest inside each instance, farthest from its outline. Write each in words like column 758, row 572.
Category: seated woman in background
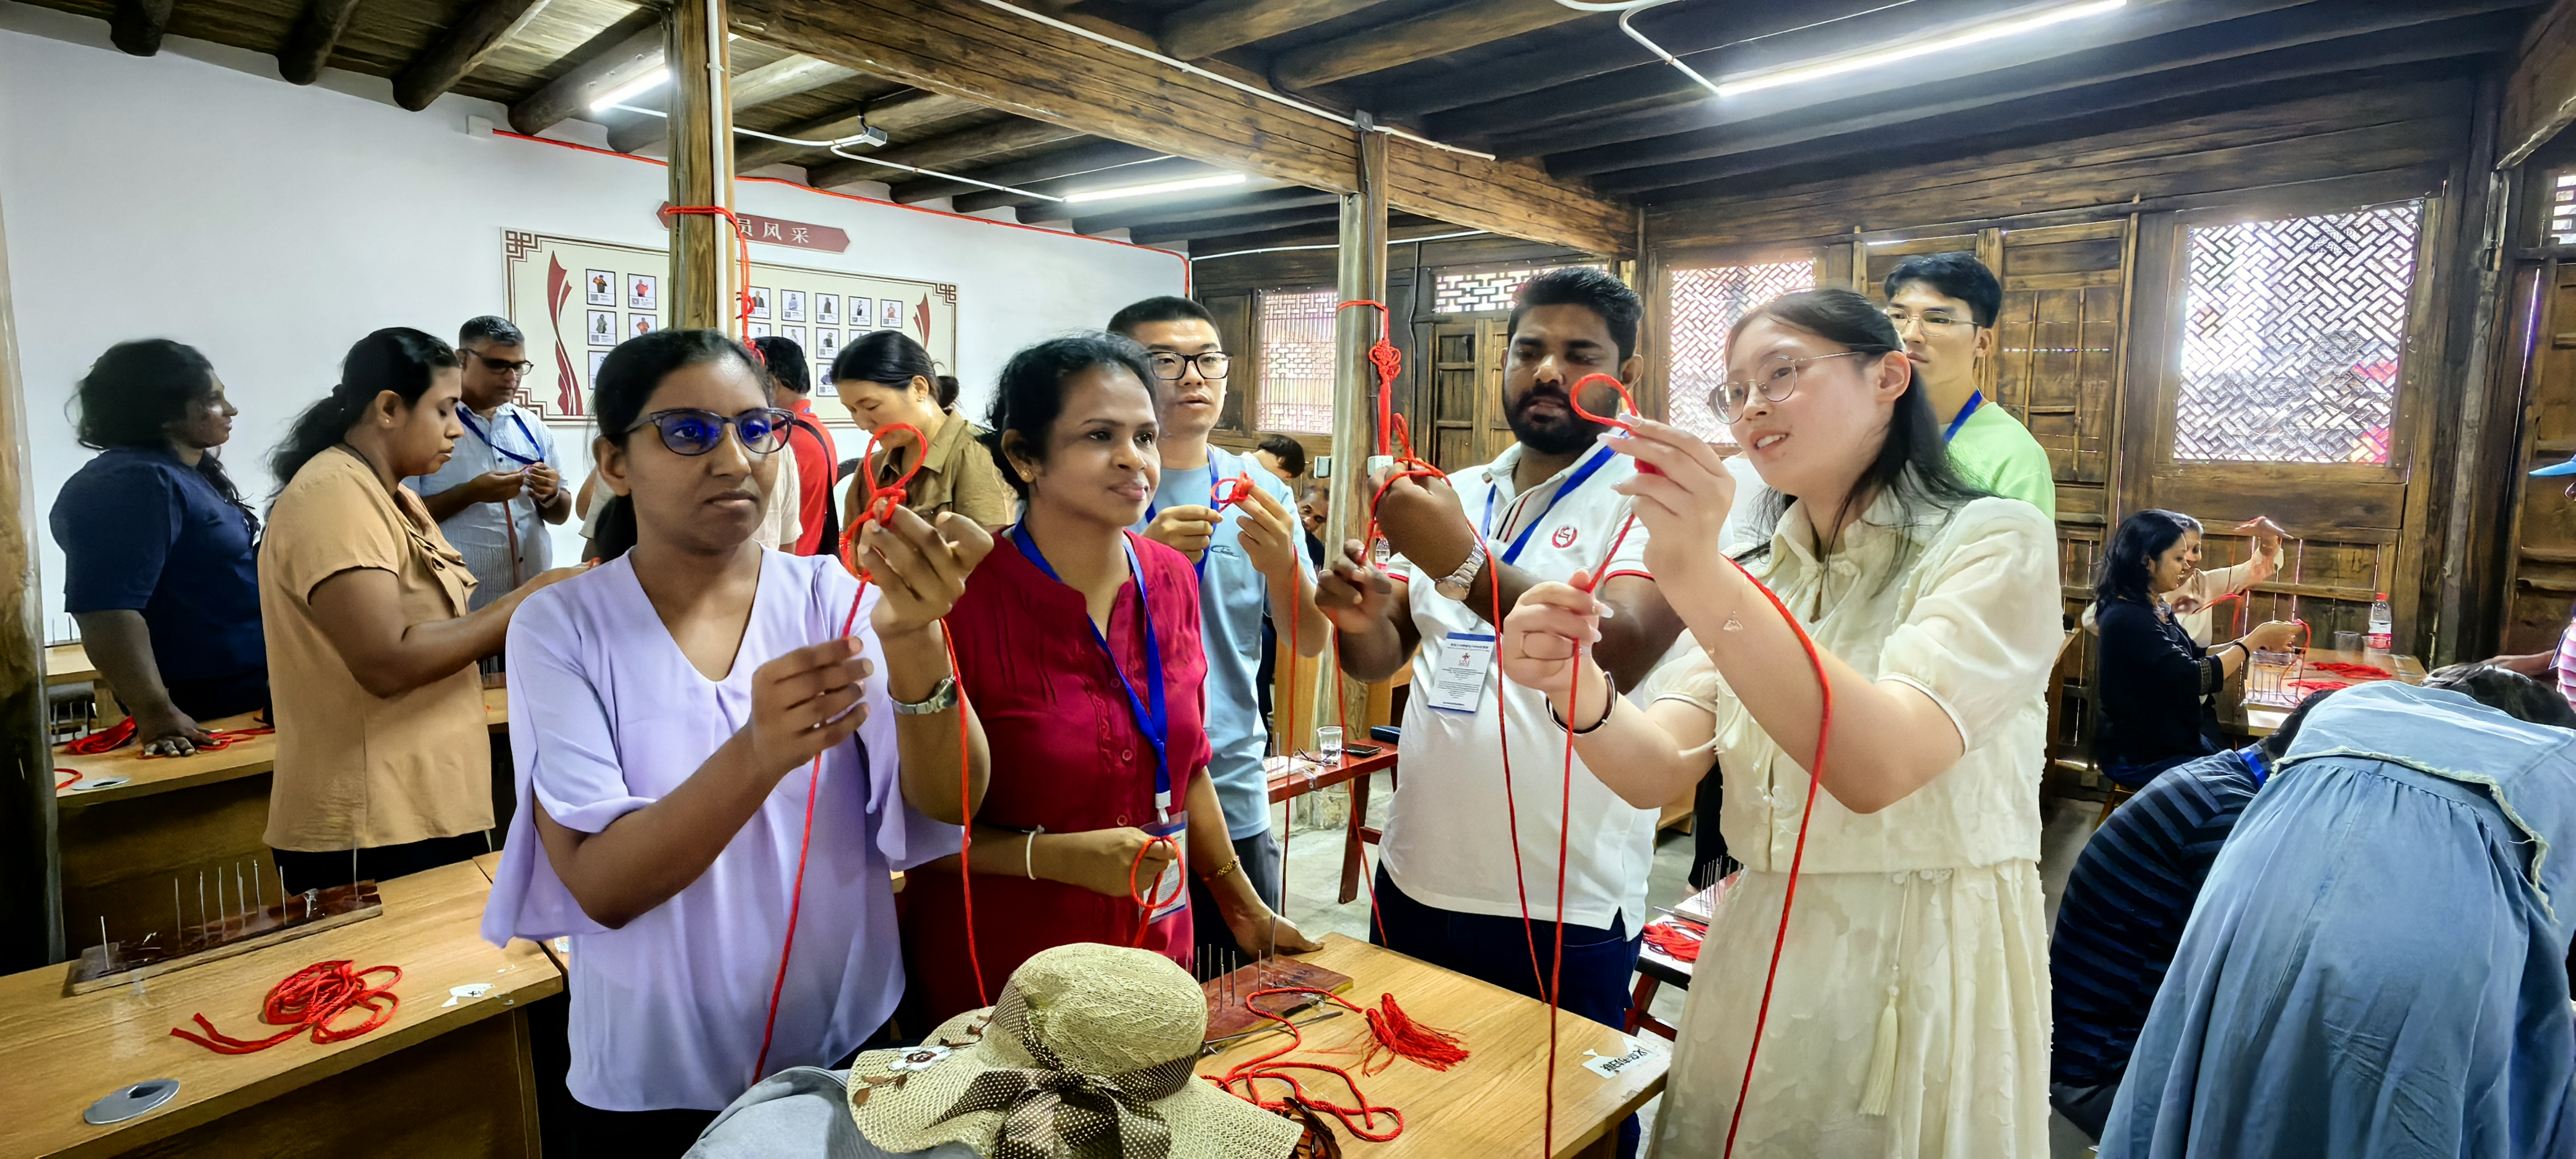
column 160, row 570
column 2157, row 686
column 1090, row 695
column 885, row 378
column 667, row 708
column 384, row 760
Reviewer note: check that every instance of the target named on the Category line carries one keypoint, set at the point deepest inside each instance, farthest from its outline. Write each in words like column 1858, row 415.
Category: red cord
column 1144, row 897
column 1674, row 941
column 121, row 734
column 742, row 239
column 309, row 999
column 1392, row 1033
column 59, row 786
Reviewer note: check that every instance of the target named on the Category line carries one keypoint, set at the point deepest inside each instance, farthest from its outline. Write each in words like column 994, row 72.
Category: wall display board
column 578, row 299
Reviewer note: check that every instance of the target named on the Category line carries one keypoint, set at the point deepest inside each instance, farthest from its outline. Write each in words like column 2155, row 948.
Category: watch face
column 1449, row 590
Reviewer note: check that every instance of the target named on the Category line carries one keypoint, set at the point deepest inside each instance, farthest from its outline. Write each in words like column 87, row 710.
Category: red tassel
column 1402, row 1037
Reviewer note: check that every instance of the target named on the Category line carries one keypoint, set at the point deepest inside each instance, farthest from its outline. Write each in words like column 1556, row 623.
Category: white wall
column 194, row 195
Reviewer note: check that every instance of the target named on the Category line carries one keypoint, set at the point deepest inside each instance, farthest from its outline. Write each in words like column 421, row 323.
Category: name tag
column 1172, row 879
column 1458, row 684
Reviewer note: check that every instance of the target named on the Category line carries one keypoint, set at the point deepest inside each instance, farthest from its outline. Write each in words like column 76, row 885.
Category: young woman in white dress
column 1910, row 1016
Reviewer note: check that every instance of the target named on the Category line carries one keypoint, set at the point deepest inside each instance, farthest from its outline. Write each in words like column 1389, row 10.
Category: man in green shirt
column 1944, row 306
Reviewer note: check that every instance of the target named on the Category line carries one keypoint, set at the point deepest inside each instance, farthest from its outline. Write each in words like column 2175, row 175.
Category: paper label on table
column 1458, row 685
column 1609, row 1066
column 458, row 993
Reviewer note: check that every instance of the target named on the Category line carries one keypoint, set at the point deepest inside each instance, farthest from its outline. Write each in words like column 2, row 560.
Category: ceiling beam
column 1137, row 173
column 2240, row 53
column 1106, row 217
column 316, row 36
column 1400, row 229
column 1241, row 223
column 899, row 114
column 1024, row 67
column 471, row 39
column 2539, row 94
column 1083, row 158
column 601, row 71
column 784, row 77
column 1583, row 53
column 1419, row 38
column 1206, row 29
column 137, row 25
column 947, row 152
column 1646, row 102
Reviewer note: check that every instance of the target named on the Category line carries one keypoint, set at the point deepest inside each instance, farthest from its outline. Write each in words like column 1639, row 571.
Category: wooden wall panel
column 2539, row 95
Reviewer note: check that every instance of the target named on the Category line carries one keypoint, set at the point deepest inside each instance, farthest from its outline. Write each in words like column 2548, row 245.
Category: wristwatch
column 941, row 699
column 1454, row 585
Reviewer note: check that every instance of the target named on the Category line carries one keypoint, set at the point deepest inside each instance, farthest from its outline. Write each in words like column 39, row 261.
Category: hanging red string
column 742, row 280
column 309, row 999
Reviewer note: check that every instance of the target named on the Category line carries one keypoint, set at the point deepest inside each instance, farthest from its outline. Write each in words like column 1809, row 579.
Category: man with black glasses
column 504, row 484
column 1944, row 306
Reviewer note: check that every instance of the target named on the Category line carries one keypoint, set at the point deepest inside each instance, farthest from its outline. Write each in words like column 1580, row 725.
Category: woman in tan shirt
column 885, row 378
column 384, row 762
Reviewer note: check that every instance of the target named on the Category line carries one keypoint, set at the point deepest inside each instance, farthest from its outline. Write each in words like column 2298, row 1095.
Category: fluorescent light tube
column 631, row 89
column 1215, row 182
column 1798, row 74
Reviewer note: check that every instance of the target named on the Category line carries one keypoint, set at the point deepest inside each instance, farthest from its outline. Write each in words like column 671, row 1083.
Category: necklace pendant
column 1734, row 623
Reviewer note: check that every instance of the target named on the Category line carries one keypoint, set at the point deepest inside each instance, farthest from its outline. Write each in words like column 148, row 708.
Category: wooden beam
column 317, row 34
column 620, row 62
column 976, row 199
column 1926, row 116
column 472, row 39
column 898, row 114
column 1246, row 223
column 31, row 868
column 2540, row 93
column 1112, row 216
column 783, row 77
column 703, row 279
column 137, row 25
column 1081, row 158
column 1206, row 29
column 944, row 153
column 1024, row 67
column 1431, row 34
column 1401, row 228
column 1583, row 53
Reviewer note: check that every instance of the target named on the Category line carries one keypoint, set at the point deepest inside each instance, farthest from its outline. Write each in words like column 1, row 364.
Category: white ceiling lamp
column 632, row 89
column 1910, row 49
column 1217, row 181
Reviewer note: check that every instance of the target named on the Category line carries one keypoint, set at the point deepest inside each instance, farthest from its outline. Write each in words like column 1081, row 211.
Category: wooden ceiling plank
column 1081, row 158
column 1108, row 217
column 1020, row 66
column 317, row 33
column 899, row 114
column 599, row 73
column 943, row 152
column 136, row 26
column 473, row 36
column 783, row 77
column 2539, row 94
column 1419, row 38
column 1246, row 223
column 973, row 199
column 1584, row 53
column 1206, row 29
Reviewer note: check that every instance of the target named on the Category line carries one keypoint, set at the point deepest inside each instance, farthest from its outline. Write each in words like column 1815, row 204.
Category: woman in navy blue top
column 162, row 574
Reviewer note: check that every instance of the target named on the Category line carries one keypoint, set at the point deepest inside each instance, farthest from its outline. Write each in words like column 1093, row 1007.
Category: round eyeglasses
column 1933, row 324
column 695, row 432
column 1171, row 367
column 1777, row 379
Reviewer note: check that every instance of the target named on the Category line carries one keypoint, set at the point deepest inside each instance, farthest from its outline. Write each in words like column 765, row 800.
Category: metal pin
column 178, row 917
column 258, row 890
column 239, row 902
column 220, row 911
column 102, row 937
column 201, row 905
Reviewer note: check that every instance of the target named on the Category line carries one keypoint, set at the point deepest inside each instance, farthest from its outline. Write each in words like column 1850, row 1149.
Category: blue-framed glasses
column 695, row 432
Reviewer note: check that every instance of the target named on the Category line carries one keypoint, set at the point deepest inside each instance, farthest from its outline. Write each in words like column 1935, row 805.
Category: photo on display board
column 600, row 287
column 603, row 327
column 596, row 357
column 795, row 334
column 756, row 330
column 889, row 313
column 827, row 342
column 760, row 301
column 827, row 309
column 791, row 305
column 639, row 325
column 643, row 292
column 862, row 310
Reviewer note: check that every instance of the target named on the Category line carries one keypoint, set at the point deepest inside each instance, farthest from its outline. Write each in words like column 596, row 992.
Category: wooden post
column 1363, row 276
column 31, row 928
column 704, row 254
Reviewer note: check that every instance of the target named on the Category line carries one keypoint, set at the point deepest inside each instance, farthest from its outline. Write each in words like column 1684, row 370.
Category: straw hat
column 1088, row 1052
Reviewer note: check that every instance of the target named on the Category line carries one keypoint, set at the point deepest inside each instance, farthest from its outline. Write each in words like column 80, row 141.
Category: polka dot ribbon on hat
column 1052, row 1112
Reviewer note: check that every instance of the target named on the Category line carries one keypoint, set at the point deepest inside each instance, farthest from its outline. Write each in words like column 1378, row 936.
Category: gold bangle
column 1219, row 875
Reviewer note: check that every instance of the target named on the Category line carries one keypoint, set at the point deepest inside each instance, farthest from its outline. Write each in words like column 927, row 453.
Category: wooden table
column 1488, row 1106
column 2258, row 720
column 435, row 1080
column 1353, row 770
column 122, row 845
column 68, row 664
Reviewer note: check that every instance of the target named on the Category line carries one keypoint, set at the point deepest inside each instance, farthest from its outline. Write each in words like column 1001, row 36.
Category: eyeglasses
column 498, row 366
column 1933, row 324
column 695, row 432
column 1172, row 367
column 1777, row 379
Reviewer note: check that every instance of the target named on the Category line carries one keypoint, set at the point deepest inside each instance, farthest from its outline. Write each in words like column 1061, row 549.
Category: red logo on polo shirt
column 1564, row 536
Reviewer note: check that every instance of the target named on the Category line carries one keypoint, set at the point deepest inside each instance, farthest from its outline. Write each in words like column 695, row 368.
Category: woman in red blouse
column 1061, row 636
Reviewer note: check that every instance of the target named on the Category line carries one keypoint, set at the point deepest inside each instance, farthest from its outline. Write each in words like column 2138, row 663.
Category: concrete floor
column 1314, row 874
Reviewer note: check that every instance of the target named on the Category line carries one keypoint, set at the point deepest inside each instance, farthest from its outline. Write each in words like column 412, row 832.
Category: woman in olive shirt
column 885, row 378
column 383, row 758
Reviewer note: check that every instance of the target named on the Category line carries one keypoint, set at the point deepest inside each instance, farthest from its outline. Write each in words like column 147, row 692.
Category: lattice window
column 1479, row 293
column 1297, row 362
column 1705, row 305
column 2293, row 338
column 2562, row 208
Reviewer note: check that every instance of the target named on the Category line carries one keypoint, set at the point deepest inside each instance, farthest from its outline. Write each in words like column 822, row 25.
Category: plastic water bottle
column 2383, row 631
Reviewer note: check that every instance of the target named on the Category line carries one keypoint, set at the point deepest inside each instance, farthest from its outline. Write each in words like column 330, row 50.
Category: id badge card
column 1458, row 684
column 1175, row 878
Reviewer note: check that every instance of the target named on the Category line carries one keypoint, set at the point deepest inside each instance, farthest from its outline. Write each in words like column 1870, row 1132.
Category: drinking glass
column 1328, row 743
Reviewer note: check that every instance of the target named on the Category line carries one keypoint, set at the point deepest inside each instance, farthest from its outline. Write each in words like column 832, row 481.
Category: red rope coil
column 307, row 1000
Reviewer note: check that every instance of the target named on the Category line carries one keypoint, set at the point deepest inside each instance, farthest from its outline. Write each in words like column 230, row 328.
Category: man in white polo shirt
column 1446, row 889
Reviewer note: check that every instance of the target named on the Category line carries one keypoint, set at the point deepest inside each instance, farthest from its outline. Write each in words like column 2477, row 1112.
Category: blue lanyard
column 1975, row 399
column 1154, row 721
column 2254, row 765
column 504, row 452
column 1582, row 472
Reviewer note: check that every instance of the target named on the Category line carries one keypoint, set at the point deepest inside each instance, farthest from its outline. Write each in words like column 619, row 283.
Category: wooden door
column 2541, row 572
column 1462, row 395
